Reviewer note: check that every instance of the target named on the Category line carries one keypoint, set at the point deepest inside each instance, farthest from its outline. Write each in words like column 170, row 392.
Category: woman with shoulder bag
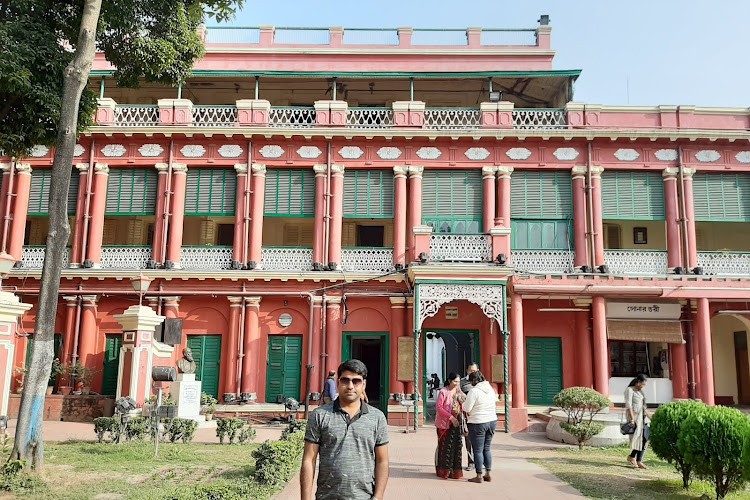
column 448, row 423
column 635, row 409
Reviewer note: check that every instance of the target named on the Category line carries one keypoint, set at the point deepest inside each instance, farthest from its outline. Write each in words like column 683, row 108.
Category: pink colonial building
column 418, row 199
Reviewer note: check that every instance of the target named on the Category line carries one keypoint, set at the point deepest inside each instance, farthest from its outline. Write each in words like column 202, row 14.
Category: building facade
column 409, row 197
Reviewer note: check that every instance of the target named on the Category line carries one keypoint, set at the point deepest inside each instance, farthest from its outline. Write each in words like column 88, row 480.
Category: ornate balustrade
column 136, row 115
column 725, row 263
column 214, row 116
column 367, row 259
column 125, row 257
column 543, row 261
column 460, row 248
column 535, row 118
column 639, row 262
column 33, row 257
column 369, row 118
column 286, row 259
column 206, row 258
column 452, row 118
column 291, row 117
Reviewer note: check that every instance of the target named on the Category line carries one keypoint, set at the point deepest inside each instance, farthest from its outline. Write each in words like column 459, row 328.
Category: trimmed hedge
column 581, row 405
column 666, row 425
column 176, row 429
column 234, row 429
column 277, row 461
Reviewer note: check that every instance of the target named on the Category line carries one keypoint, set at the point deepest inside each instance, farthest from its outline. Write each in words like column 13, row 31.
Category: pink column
column 177, row 220
column 161, row 212
column 678, row 364
column 584, row 351
column 256, row 213
column 488, row 198
column 415, row 207
column 82, row 170
column 596, row 208
column 518, row 359
column 333, row 336
column 319, row 253
column 319, row 371
column 4, row 190
column 601, row 356
column 579, row 216
column 20, row 209
column 238, row 244
column 89, row 332
column 399, row 215
column 337, row 214
column 397, row 330
column 251, row 347
column 231, row 351
column 70, row 329
column 98, row 205
column 503, row 196
column 137, row 353
column 690, row 216
column 703, row 337
column 674, row 249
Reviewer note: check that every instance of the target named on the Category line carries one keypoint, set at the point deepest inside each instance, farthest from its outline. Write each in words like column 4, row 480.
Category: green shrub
column 246, row 434
column 229, row 427
column 665, row 431
column 14, row 479
column 137, row 428
column 714, row 443
column 581, row 405
column 276, row 461
column 208, row 403
column 110, row 426
column 294, row 426
column 179, row 429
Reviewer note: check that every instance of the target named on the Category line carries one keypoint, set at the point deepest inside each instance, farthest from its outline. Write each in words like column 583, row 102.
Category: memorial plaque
column 498, row 373
column 187, row 394
column 172, row 331
column 405, row 358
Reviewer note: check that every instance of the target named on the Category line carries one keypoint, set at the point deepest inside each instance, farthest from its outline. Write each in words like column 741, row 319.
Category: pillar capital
column 415, row 172
column 179, row 168
column 23, row 168
column 504, row 171
column 596, row 171
column 259, row 170
column 139, row 318
column 317, row 301
column 670, row 173
column 70, row 300
column 253, row 301
column 83, row 168
column 162, row 167
column 400, row 171
column 320, row 170
column 89, row 300
column 397, row 302
column 488, row 172
column 171, row 300
column 337, row 169
column 235, row 301
column 333, row 300
column 5, row 167
column 241, row 168
column 578, row 172
column 101, row 169
column 688, row 172
column 11, row 307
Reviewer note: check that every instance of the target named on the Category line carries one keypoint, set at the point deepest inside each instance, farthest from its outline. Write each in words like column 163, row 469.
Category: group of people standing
column 465, row 411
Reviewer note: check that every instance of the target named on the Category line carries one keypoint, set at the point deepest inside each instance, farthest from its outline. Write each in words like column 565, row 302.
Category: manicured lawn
column 604, row 473
column 83, row 470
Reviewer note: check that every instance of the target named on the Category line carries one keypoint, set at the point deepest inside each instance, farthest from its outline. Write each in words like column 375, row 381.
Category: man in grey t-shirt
column 351, row 439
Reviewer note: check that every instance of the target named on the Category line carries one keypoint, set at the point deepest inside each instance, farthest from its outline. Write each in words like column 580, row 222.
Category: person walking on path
column 351, row 439
column 329, row 391
column 465, row 388
column 449, row 430
column 635, row 407
column 480, row 407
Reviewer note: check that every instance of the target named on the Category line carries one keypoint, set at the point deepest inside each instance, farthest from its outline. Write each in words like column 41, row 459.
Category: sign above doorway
column 451, row 313
column 643, row 310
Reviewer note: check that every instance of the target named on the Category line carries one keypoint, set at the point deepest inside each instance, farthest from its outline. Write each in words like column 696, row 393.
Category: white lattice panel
column 286, row 259
column 543, row 261
column 452, row 118
column 636, row 262
column 125, row 257
column 137, row 116
column 525, row 119
column 33, row 257
column 214, row 116
column 206, row 258
column 367, row 259
column 369, row 118
column 460, row 248
column 292, row 117
column 725, row 263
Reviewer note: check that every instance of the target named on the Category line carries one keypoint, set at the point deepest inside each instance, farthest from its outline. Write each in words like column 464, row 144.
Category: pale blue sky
column 631, row 52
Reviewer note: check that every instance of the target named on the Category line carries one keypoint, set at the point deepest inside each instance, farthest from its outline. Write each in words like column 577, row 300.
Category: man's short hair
column 331, row 373
column 354, row 366
column 476, row 377
column 474, row 364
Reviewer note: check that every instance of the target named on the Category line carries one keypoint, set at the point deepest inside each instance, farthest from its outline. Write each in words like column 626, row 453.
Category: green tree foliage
column 666, row 425
column 581, row 405
column 715, row 443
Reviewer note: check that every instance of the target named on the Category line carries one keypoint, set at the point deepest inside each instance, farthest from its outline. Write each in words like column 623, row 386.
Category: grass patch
column 603, row 473
column 85, row 470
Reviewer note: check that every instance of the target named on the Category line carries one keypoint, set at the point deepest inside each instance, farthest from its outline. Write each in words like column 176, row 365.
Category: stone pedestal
column 11, row 308
column 187, row 392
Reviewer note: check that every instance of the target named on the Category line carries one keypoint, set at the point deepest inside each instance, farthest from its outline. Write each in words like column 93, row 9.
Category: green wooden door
column 284, row 367
column 111, row 364
column 543, row 369
column 207, row 355
column 57, row 345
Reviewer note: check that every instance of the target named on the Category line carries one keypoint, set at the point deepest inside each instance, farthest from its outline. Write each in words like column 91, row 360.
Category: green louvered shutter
column 210, row 191
column 131, row 191
column 452, row 200
column 40, row 189
column 633, row 195
column 722, row 197
column 368, row 194
column 541, row 194
column 289, row 193
column 75, row 182
column 530, row 234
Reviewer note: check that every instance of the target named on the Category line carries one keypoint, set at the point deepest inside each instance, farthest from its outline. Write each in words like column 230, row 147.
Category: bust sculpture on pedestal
column 186, row 364
column 186, row 389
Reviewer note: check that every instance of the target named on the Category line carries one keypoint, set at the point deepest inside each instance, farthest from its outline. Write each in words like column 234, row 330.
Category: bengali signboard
column 643, row 310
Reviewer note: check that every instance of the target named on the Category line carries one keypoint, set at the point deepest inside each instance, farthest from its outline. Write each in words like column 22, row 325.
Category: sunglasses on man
column 356, row 381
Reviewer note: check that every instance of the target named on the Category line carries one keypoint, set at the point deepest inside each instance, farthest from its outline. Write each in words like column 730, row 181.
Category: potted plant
column 208, row 405
column 83, row 375
column 65, row 374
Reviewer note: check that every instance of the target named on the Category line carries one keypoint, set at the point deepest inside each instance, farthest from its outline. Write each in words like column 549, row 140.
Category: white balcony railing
column 214, row 116
column 33, row 257
column 725, row 263
column 291, row 117
column 460, row 248
column 636, row 262
column 452, row 118
column 529, row 119
column 369, row 118
column 125, row 257
column 206, row 258
column 286, row 259
column 543, row 261
column 137, row 115
column 367, row 259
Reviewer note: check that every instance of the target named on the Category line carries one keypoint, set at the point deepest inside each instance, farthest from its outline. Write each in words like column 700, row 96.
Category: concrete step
column 537, row 425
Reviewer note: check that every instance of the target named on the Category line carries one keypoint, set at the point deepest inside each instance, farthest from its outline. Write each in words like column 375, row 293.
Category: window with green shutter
column 40, row 189
column 452, row 201
column 131, row 191
column 289, row 193
column 722, row 197
column 210, row 191
column 527, row 234
column 632, row 195
column 368, row 194
column 541, row 194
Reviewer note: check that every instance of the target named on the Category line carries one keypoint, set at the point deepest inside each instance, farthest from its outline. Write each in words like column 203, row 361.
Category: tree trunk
column 28, row 444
